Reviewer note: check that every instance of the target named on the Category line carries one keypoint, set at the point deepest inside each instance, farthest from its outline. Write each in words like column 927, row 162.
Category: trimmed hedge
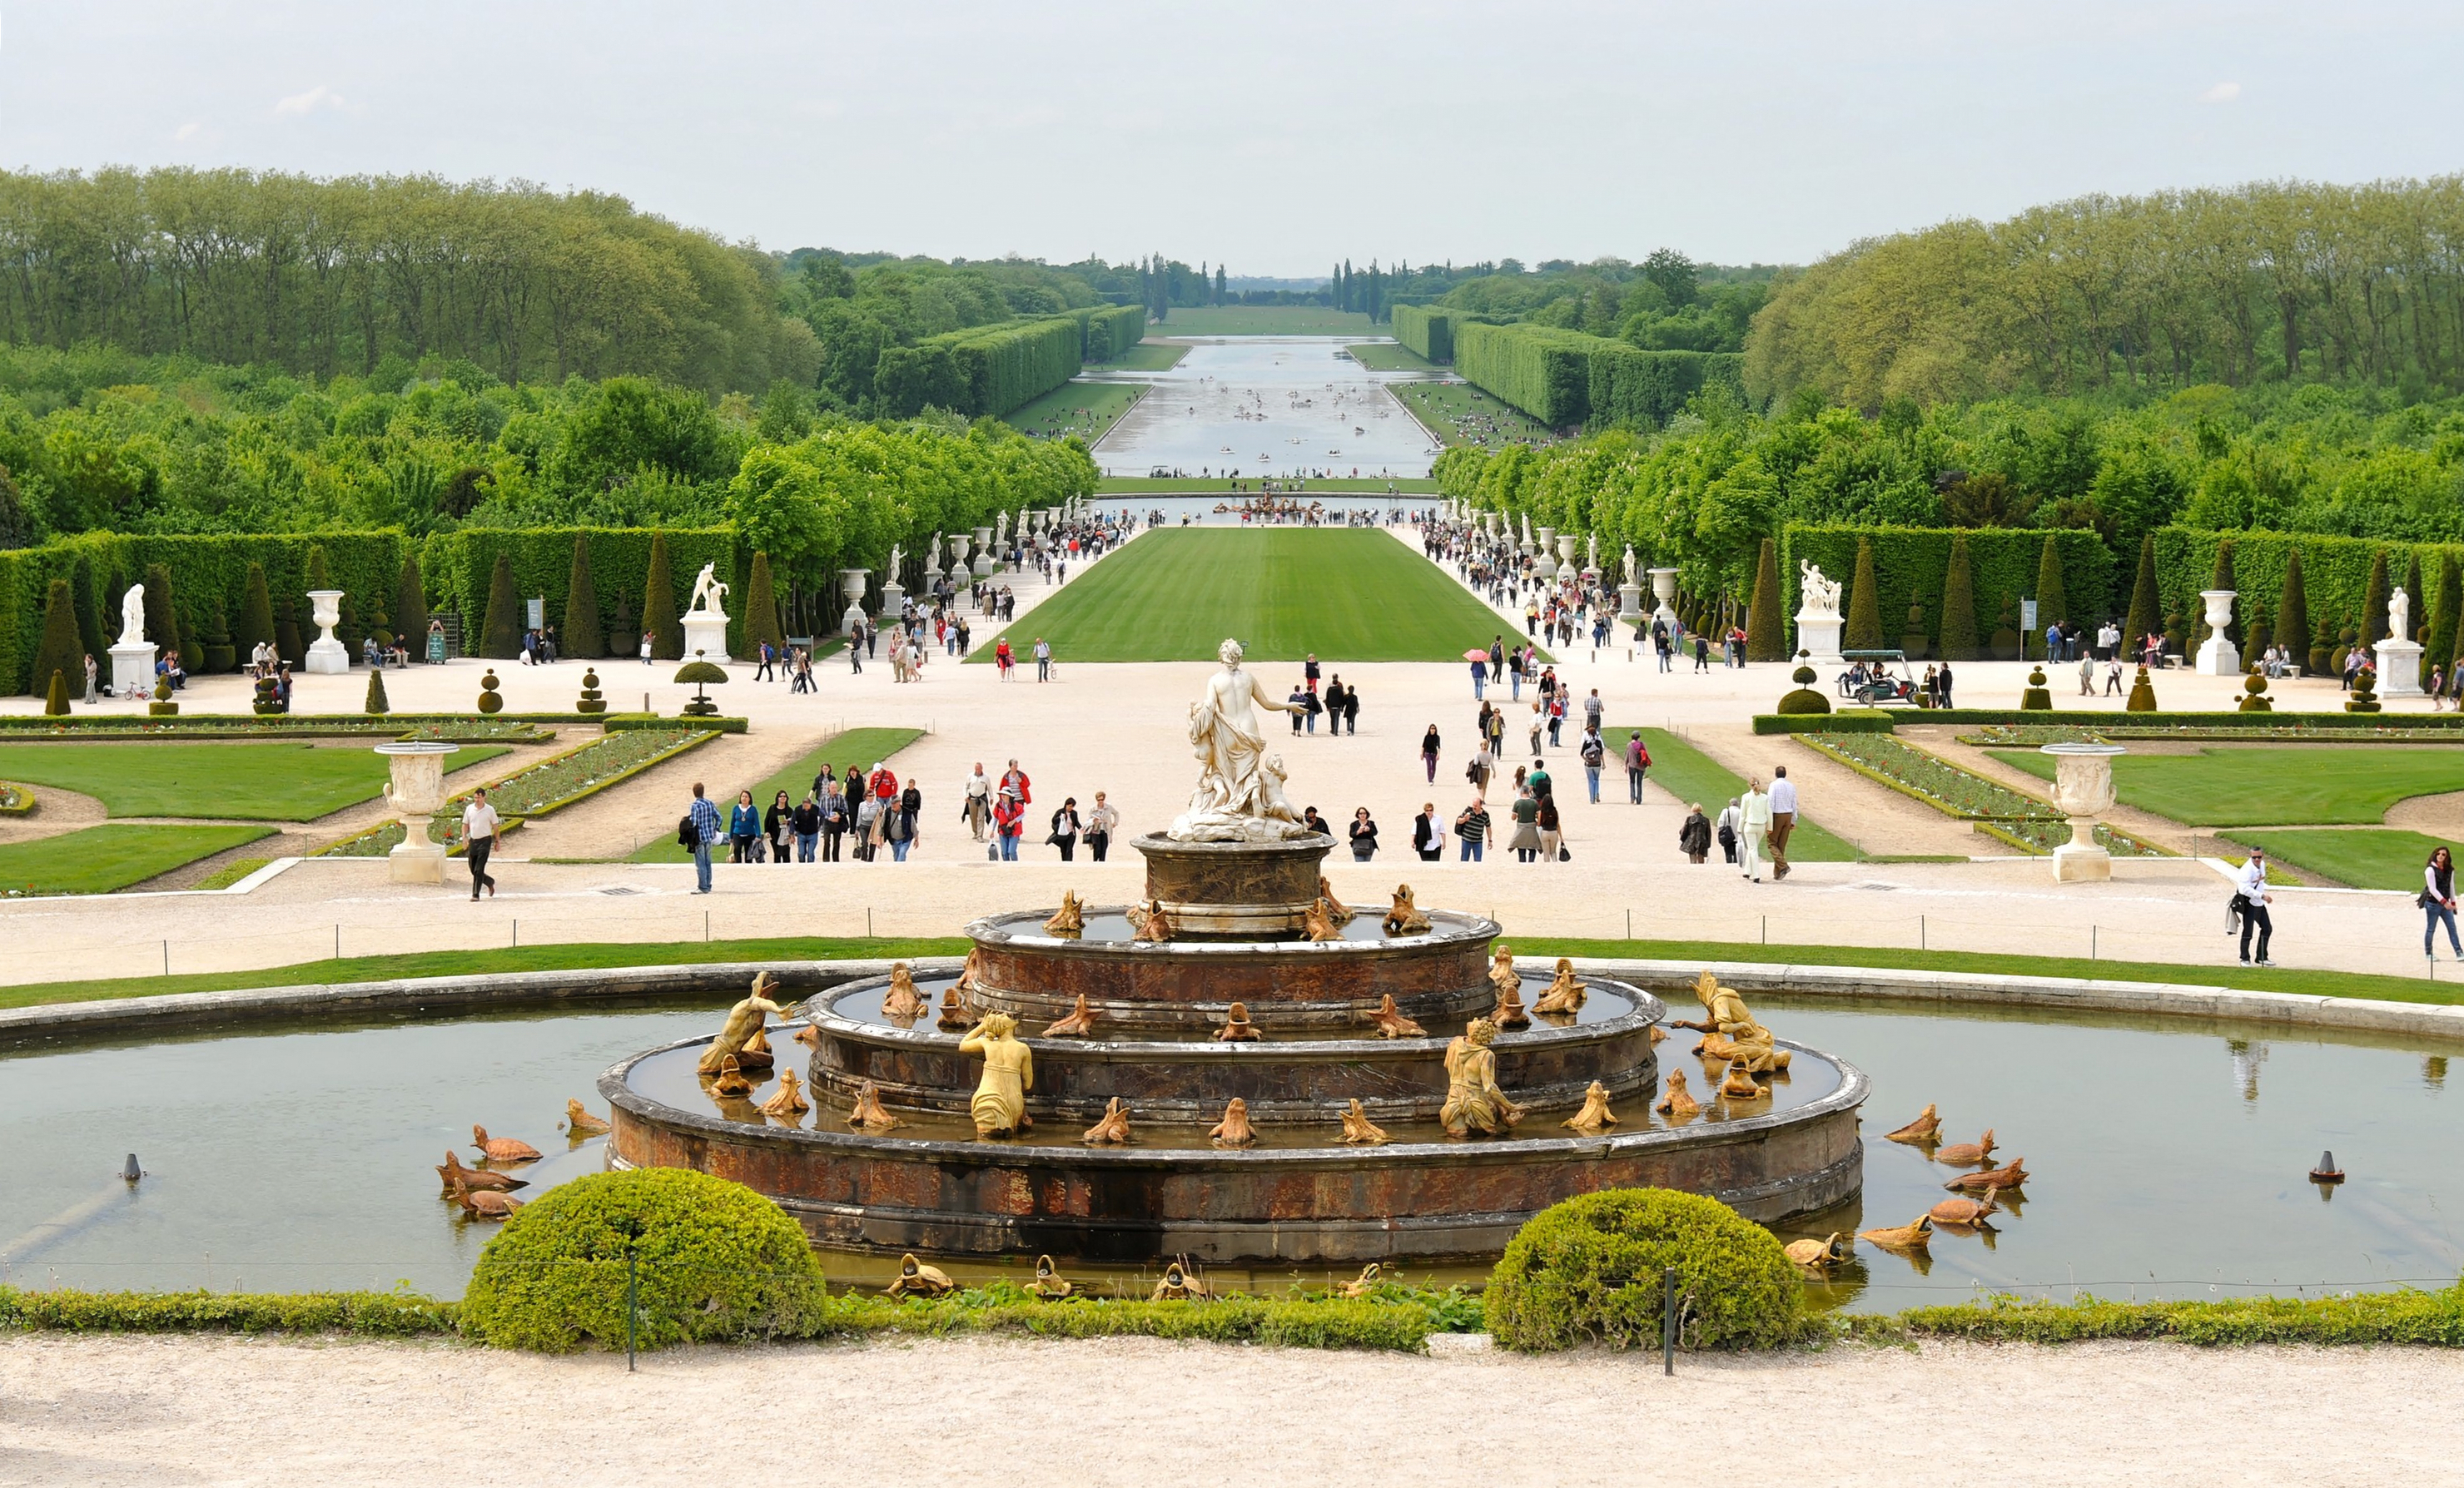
column 370, row 1314
column 457, row 566
column 1910, row 564
column 1588, row 1270
column 1632, row 385
column 1565, row 378
column 996, row 368
column 1866, row 721
column 1107, row 331
column 1428, row 332
column 2335, row 577
column 2404, row 1316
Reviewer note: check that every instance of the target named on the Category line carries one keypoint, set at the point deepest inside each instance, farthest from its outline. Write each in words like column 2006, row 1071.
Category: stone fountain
column 1356, row 1040
column 416, row 791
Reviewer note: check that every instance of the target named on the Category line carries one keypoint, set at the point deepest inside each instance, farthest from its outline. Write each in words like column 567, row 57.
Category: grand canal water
column 1268, row 407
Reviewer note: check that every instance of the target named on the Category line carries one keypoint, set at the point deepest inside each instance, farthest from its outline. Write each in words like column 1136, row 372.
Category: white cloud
column 308, row 102
column 186, row 131
column 2221, row 93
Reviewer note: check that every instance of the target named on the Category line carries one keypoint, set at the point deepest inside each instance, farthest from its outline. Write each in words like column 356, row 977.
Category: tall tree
column 2441, row 642
column 255, row 614
column 1959, row 603
column 659, row 619
column 761, row 606
column 2146, row 601
column 162, row 614
column 584, row 638
column 2293, row 612
column 1864, row 603
column 410, row 604
column 1766, row 637
column 89, row 607
column 501, row 635
column 59, row 651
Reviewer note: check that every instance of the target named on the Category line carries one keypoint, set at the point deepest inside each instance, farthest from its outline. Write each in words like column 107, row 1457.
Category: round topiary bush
column 1804, row 700
column 2037, row 697
column 491, row 701
column 715, row 1262
column 2254, row 697
column 1588, row 1271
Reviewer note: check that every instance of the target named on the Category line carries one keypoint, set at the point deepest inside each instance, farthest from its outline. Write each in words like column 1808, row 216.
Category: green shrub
column 659, row 619
column 1847, row 720
column 1805, row 699
column 1426, row 331
column 584, row 639
column 502, row 637
column 2403, row 1316
column 376, row 701
column 371, row 1314
column 2037, row 697
column 1764, row 640
column 1864, row 603
column 715, row 1262
column 55, row 697
column 761, row 607
column 60, row 650
column 1959, row 602
column 1589, row 1271
column 491, row 701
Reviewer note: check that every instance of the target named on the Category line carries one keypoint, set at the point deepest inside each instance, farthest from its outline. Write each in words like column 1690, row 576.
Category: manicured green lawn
column 1222, row 486
column 1441, row 408
column 1262, row 320
column 99, row 860
column 247, row 782
column 540, row 958
column 863, row 748
column 1389, row 357
column 1172, row 596
column 2362, row 858
column 1085, row 410
column 1691, row 775
column 2299, row 785
column 1145, row 357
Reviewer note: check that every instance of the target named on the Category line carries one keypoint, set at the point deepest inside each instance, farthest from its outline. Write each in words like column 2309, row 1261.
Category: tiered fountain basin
column 932, row 1184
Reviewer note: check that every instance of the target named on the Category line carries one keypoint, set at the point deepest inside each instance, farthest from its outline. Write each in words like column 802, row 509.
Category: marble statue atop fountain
column 704, row 620
column 1239, row 796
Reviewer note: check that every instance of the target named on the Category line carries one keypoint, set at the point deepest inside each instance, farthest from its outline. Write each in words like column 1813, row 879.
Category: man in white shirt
column 1783, row 820
column 1754, row 818
column 479, row 835
column 2249, row 897
column 979, row 799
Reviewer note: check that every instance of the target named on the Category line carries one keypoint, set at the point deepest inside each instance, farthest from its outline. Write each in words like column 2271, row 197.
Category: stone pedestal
column 415, row 793
column 2083, row 790
column 893, row 597
column 706, row 636
column 1233, row 891
column 132, row 672
column 1629, row 600
column 2218, row 657
column 1817, row 634
column 2399, row 668
column 327, row 656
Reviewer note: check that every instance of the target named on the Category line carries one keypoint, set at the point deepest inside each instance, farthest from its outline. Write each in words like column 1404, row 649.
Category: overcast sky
column 1273, row 136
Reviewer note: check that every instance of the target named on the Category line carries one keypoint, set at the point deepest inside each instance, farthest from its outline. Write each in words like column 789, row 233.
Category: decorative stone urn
column 2083, row 790
column 1663, row 590
column 415, row 792
column 1566, row 543
column 985, row 565
column 2218, row 657
column 852, row 586
column 327, row 656
column 1545, row 562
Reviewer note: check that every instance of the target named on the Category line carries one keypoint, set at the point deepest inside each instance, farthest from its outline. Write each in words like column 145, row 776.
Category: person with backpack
column 697, row 831
column 1594, row 753
column 1638, row 760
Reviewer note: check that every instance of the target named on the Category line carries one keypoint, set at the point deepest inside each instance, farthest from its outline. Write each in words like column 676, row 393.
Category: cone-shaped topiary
column 255, row 614
column 55, row 696
column 490, row 701
column 410, row 605
column 162, row 615
column 2293, row 612
column 591, row 701
column 286, row 633
column 659, row 604
column 584, row 638
column 320, row 576
column 2254, row 694
column 2037, row 696
column 2374, row 601
column 376, row 700
column 2441, row 643
column 89, row 607
column 2420, row 596
column 1865, row 604
column 714, row 1261
column 502, row 636
column 2147, row 606
column 1959, row 603
column 1805, row 699
column 2052, row 602
column 1764, row 640
column 1588, row 1271
column 269, row 697
column 761, row 608
column 58, row 650
column 2142, row 695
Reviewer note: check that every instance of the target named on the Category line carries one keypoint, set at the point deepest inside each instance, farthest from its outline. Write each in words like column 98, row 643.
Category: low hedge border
column 382, row 837
column 2156, row 725
column 2404, row 1316
column 2023, row 835
column 452, row 730
column 1841, row 753
column 1855, row 720
column 2020, row 737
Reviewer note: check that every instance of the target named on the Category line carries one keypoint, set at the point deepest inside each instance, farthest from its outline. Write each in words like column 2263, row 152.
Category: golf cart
column 1870, row 680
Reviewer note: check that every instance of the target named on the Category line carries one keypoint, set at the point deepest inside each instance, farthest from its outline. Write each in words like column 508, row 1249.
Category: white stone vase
column 327, row 656
column 2218, row 657
column 415, row 792
column 2084, row 791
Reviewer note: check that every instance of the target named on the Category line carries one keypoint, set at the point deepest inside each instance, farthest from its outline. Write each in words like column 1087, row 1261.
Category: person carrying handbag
column 1064, row 829
column 2437, row 899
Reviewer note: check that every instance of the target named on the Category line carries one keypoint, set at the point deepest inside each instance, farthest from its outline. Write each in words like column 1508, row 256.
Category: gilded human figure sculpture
column 1474, row 1103
column 1729, row 1031
column 1405, row 917
column 1564, row 996
column 1070, row 919
column 902, row 1004
column 1238, row 797
column 745, row 1020
column 998, row 1108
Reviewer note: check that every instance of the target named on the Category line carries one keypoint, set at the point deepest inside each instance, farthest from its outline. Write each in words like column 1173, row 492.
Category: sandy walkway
column 182, row 1410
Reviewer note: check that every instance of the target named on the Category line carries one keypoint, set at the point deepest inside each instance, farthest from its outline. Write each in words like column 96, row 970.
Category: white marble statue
column 896, row 557
column 1000, row 529
column 1592, row 554
column 707, row 591
column 2400, row 615
column 1526, row 527
column 1633, row 575
column 132, row 616
column 1239, row 795
column 1820, row 595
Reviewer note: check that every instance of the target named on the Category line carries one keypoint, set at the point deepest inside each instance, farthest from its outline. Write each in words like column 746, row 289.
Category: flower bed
column 123, row 726
column 548, row 786
column 2032, row 735
column 1937, row 782
column 16, row 800
column 2038, row 836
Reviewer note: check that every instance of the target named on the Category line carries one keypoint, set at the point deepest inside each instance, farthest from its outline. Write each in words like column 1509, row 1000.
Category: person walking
column 1043, row 660
column 1004, row 661
column 743, row 826
column 1694, row 836
column 93, row 681
column 2250, row 899
column 779, row 825
column 907, row 822
column 1429, row 753
column 1593, row 712
column 976, row 806
column 1363, row 833
column 1638, row 761
column 1009, row 822
column 1101, row 823
column 2438, row 899
column 1065, row 827
column 1479, row 677
column 1552, row 830
column 1754, row 818
column 836, row 815
column 2087, row 675
column 1350, row 710
column 436, row 640
column 1783, row 820
column 1942, row 679
column 1702, row 652
column 1594, row 754
column 1525, row 840
column 807, row 825
column 763, row 656
column 1471, row 829
column 1732, row 821
column 1428, row 839
column 1312, row 705
column 701, row 824
column 479, row 826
